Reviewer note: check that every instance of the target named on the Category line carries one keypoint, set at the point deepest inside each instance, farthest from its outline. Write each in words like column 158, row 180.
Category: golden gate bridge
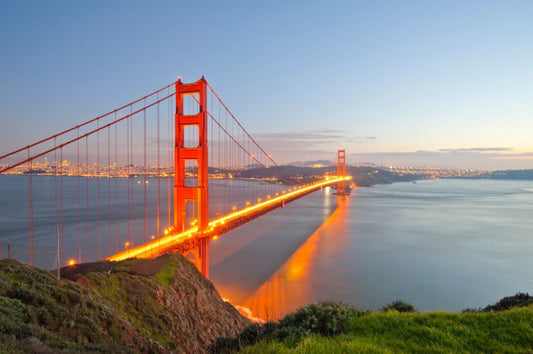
column 210, row 176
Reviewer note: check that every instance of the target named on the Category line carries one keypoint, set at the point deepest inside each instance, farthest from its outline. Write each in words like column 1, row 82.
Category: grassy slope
column 37, row 312
column 433, row 332
column 170, row 309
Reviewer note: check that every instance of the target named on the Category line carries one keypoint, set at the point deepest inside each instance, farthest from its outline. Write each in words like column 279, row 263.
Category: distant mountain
column 363, row 176
column 512, row 174
column 316, row 163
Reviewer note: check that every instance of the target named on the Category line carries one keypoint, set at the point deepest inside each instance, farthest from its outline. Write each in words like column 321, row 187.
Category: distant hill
column 512, row 174
column 367, row 176
column 311, row 163
column 363, row 176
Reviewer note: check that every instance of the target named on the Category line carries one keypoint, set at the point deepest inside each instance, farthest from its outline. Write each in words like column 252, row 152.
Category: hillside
column 505, row 327
column 363, row 176
column 435, row 332
column 159, row 305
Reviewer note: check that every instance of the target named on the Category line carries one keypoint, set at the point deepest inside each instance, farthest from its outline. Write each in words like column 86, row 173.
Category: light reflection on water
column 292, row 284
column 448, row 245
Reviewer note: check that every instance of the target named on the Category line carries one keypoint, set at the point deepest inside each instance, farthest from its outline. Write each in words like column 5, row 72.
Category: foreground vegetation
column 165, row 305
column 160, row 305
column 335, row 328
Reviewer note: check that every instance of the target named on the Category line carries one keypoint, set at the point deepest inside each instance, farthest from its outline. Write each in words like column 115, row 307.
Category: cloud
column 478, row 149
column 323, row 136
column 306, row 135
column 522, row 156
column 360, row 139
column 484, row 158
column 305, row 145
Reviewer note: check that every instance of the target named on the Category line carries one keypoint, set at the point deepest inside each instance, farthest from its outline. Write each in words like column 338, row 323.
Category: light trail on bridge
column 170, row 241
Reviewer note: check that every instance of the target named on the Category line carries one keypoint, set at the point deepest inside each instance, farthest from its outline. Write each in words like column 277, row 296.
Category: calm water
column 439, row 244
column 99, row 215
column 446, row 244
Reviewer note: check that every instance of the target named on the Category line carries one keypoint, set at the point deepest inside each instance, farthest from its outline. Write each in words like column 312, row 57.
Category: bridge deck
column 184, row 241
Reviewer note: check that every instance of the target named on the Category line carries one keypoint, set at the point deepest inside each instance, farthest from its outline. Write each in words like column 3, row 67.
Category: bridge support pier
column 203, row 254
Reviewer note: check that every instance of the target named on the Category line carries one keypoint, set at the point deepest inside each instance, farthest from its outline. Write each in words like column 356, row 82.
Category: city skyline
column 441, row 84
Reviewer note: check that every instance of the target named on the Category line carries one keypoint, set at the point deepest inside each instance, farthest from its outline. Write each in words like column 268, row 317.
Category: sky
column 426, row 83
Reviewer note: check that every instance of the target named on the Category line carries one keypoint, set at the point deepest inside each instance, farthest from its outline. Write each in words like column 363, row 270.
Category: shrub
column 325, row 318
column 293, row 332
column 269, row 329
column 508, row 302
column 249, row 335
column 400, row 306
column 224, row 345
column 24, row 293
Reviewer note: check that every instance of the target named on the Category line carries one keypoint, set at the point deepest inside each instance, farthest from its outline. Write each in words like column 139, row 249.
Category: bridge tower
column 198, row 194
column 341, row 171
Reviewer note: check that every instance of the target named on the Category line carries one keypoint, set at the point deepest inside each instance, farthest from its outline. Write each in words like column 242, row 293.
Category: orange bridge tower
column 197, row 153
column 341, row 171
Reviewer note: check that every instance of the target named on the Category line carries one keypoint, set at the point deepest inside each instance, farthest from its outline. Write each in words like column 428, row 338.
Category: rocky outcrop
column 158, row 305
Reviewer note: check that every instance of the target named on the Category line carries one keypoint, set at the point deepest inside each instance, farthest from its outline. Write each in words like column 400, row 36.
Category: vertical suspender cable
column 219, row 167
column 158, row 221
column 98, row 188
column 88, row 251
column 144, row 176
column 211, row 138
column 169, row 172
column 109, row 216
column 129, row 174
column 62, row 212
column 116, row 186
column 78, row 195
column 55, row 186
column 30, row 205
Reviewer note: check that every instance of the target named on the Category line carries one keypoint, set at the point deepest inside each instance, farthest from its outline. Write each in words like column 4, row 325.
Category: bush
column 224, row 345
column 293, row 332
column 268, row 330
column 508, row 302
column 400, row 306
column 325, row 318
column 25, row 294
column 249, row 335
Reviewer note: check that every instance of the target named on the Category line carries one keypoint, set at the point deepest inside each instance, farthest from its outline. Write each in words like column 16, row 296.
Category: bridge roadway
column 185, row 241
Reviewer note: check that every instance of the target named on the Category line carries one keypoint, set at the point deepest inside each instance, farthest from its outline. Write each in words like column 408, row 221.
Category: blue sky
column 438, row 83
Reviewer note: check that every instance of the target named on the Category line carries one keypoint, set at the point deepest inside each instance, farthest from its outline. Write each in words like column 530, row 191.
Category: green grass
column 433, row 332
column 166, row 274
column 40, row 313
column 37, row 311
